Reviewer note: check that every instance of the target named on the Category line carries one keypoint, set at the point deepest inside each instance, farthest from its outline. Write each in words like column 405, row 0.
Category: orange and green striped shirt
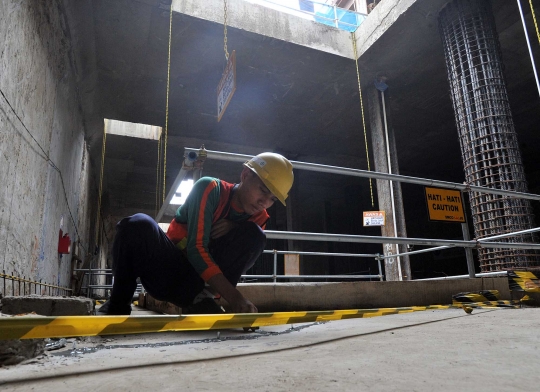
column 208, row 202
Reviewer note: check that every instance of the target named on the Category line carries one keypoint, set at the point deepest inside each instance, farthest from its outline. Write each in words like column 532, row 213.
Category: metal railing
column 320, row 12
column 90, row 273
column 439, row 243
column 24, row 286
column 275, row 276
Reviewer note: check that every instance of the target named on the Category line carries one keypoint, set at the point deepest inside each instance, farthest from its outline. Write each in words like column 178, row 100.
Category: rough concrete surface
column 48, row 306
column 43, row 166
column 16, row 351
column 446, row 350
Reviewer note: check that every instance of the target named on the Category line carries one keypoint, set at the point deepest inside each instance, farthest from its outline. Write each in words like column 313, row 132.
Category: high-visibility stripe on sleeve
column 204, row 219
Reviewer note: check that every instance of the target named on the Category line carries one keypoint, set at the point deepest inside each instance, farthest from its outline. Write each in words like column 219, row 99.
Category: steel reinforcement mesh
column 488, row 140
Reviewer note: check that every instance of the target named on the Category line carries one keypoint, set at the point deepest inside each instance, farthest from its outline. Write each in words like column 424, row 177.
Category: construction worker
column 216, row 235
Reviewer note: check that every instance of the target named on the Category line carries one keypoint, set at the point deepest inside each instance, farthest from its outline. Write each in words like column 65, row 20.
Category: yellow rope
column 158, row 182
column 534, row 19
column 363, row 120
column 97, row 239
column 167, row 107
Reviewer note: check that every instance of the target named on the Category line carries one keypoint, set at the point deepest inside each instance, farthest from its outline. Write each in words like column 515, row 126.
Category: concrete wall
column 36, row 193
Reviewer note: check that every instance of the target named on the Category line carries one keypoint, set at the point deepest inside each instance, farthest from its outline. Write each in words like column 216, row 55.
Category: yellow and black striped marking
column 477, row 296
column 489, row 304
column 528, row 281
column 67, row 326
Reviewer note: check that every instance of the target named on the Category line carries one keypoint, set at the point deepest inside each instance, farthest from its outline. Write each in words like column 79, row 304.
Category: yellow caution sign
column 445, row 205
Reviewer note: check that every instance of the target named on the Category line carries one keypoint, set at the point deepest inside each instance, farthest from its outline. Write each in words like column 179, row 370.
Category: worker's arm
column 222, row 227
column 237, row 301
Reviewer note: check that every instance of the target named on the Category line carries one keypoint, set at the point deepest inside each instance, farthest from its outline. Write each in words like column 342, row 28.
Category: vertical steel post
column 275, row 265
column 468, row 251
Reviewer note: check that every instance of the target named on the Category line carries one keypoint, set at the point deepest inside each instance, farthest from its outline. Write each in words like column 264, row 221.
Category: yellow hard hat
column 275, row 171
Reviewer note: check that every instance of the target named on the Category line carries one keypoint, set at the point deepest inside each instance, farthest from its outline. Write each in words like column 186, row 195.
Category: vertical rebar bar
column 489, row 146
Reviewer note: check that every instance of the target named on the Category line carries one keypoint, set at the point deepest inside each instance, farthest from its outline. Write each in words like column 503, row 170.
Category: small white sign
column 226, row 86
column 374, row 218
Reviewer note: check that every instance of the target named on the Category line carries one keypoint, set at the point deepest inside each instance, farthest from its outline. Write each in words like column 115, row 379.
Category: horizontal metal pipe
column 92, row 269
column 480, row 240
column 285, row 252
column 302, row 236
column 101, row 274
column 416, row 252
column 312, row 276
column 105, row 286
column 516, row 233
column 480, row 275
column 299, row 236
column 226, row 156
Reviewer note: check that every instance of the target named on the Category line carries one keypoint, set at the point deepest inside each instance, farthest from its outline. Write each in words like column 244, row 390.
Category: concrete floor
column 447, row 350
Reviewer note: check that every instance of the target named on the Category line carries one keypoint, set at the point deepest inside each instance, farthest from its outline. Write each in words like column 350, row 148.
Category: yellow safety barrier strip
column 499, row 303
column 524, row 281
column 66, row 326
column 477, row 296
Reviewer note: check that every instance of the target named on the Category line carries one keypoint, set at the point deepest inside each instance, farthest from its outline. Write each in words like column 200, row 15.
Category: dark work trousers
column 142, row 250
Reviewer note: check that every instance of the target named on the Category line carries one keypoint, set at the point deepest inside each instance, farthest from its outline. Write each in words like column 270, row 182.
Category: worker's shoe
column 111, row 309
column 205, row 306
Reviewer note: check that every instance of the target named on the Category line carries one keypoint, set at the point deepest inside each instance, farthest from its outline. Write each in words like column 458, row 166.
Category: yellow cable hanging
column 225, row 30
column 534, row 19
column 363, row 120
column 97, row 238
column 167, row 107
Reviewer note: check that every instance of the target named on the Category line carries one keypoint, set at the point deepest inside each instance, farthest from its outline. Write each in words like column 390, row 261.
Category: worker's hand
column 243, row 306
column 236, row 300
column 222, row 227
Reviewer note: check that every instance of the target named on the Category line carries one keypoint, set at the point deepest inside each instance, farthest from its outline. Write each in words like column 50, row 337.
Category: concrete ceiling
column 290, row 98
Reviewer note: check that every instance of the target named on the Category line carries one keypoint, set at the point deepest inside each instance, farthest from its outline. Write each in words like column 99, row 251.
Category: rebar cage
column 489, row 146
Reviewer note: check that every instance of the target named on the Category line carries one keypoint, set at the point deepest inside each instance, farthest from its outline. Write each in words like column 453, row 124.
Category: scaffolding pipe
column 480, row 275
column 480, row 240
column 231, row 157
column 302, row 236
column 286, row 252
column 312, row 276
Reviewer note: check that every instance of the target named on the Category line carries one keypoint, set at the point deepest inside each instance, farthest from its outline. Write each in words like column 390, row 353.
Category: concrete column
column 380, row 158
column 290, row 213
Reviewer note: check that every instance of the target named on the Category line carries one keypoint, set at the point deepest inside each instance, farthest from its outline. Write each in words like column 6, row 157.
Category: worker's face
column 253, row 195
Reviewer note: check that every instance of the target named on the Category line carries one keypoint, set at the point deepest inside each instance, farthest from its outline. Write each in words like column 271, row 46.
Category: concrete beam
column 268, row 22
column 283, row 297
column 384, row 15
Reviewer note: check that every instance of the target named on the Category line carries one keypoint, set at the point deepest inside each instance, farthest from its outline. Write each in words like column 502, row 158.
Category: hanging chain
column 97, row 237
column 167, row 107
column 363, row 121
column 225, row 30
column 534, row 19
